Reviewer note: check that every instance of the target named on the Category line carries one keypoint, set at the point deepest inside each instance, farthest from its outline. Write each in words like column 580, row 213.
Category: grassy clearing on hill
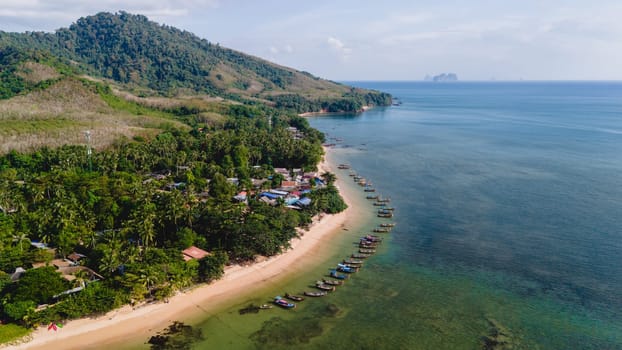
column 61, row 114
column 36, row 72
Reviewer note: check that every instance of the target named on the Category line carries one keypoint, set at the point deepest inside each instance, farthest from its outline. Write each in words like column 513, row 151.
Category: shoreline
column 130, row 324
column 314, row 114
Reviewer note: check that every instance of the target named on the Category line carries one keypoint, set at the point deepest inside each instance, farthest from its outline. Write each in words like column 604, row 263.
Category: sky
column 382, row 40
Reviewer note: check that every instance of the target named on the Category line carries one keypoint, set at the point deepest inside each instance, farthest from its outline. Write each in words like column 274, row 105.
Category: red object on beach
column 52, row 326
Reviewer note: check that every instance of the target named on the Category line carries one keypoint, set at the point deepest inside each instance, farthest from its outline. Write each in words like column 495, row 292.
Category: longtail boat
column 283, row 303
column 372, row 197
column 294, row 297
column 315, row 294
column 372, row 238
column 360, row 256
column 334, row 274
column 353, row 261
column 332, row 282
column 323, row 286
column 347, row 269
column 355, row 267
column 368, row 245
column 382, row 230
column 387, row 225
column 367, row 250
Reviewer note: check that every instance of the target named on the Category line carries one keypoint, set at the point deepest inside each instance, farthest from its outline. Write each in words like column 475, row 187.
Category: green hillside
column 123, row 143
column 153, row 59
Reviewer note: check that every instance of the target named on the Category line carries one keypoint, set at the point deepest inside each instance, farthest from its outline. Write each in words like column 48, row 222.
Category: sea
column 508, row 235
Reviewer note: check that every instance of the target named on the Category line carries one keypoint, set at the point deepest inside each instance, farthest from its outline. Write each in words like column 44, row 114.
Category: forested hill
column 154, row 59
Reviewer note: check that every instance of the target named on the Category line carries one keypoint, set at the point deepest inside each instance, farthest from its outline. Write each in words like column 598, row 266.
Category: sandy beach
column 130, row 324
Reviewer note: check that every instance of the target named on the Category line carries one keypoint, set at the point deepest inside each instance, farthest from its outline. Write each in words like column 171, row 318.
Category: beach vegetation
column 327, row 200
column 131, row 208
column 106, row 220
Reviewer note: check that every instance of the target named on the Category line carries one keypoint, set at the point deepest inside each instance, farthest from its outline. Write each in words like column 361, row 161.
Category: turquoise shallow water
column 509, row 226
column 510, row 198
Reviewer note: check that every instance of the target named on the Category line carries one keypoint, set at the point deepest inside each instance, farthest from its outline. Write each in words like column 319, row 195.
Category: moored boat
column 387, row 225
column 383, row 200
column 294, row 297
column 369, row 189
column 343, row 166
column 372, row 197
column 360, row 256
column 385, row 215
column 332, row 282
column 353, row 261
column 347, row 269
column 379, row 204
column 323, row 286
column 382, row 230
column 283, row 303
column 368, row 245
column 315, row 294
column 372, row 238
column 334, row 274
column 363, row 250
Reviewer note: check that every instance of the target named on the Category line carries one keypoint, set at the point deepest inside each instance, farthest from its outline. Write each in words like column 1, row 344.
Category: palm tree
column 19, row 238
column 109, row 261
column 142, row 222
column 329, row 177
column 149, row 278
column 36, row 190
column 112, row 248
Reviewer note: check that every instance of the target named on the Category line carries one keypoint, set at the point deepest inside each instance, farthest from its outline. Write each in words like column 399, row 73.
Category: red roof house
column 194, row 253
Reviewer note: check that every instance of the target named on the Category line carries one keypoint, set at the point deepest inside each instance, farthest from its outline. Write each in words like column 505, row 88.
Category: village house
column 193, row 252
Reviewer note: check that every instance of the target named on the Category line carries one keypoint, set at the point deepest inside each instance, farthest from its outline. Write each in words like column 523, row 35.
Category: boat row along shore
column 337, row 275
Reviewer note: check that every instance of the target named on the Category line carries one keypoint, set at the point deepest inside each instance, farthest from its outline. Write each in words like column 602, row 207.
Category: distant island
column 442, row 77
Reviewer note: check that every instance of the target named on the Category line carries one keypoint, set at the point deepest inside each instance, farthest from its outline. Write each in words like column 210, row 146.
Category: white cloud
column 339, row 47
column 553, row 39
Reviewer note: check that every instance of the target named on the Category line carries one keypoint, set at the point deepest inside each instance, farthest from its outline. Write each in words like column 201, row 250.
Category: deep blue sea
column 509, row 199
column 508, row 232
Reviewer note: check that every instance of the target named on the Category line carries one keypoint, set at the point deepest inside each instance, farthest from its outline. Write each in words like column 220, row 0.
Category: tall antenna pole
column 89, row 151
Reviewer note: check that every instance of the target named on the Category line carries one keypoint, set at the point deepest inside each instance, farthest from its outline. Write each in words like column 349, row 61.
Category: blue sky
column 382, row 40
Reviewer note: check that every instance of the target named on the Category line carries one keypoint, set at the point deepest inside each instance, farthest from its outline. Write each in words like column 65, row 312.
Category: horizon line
column 485, row 81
